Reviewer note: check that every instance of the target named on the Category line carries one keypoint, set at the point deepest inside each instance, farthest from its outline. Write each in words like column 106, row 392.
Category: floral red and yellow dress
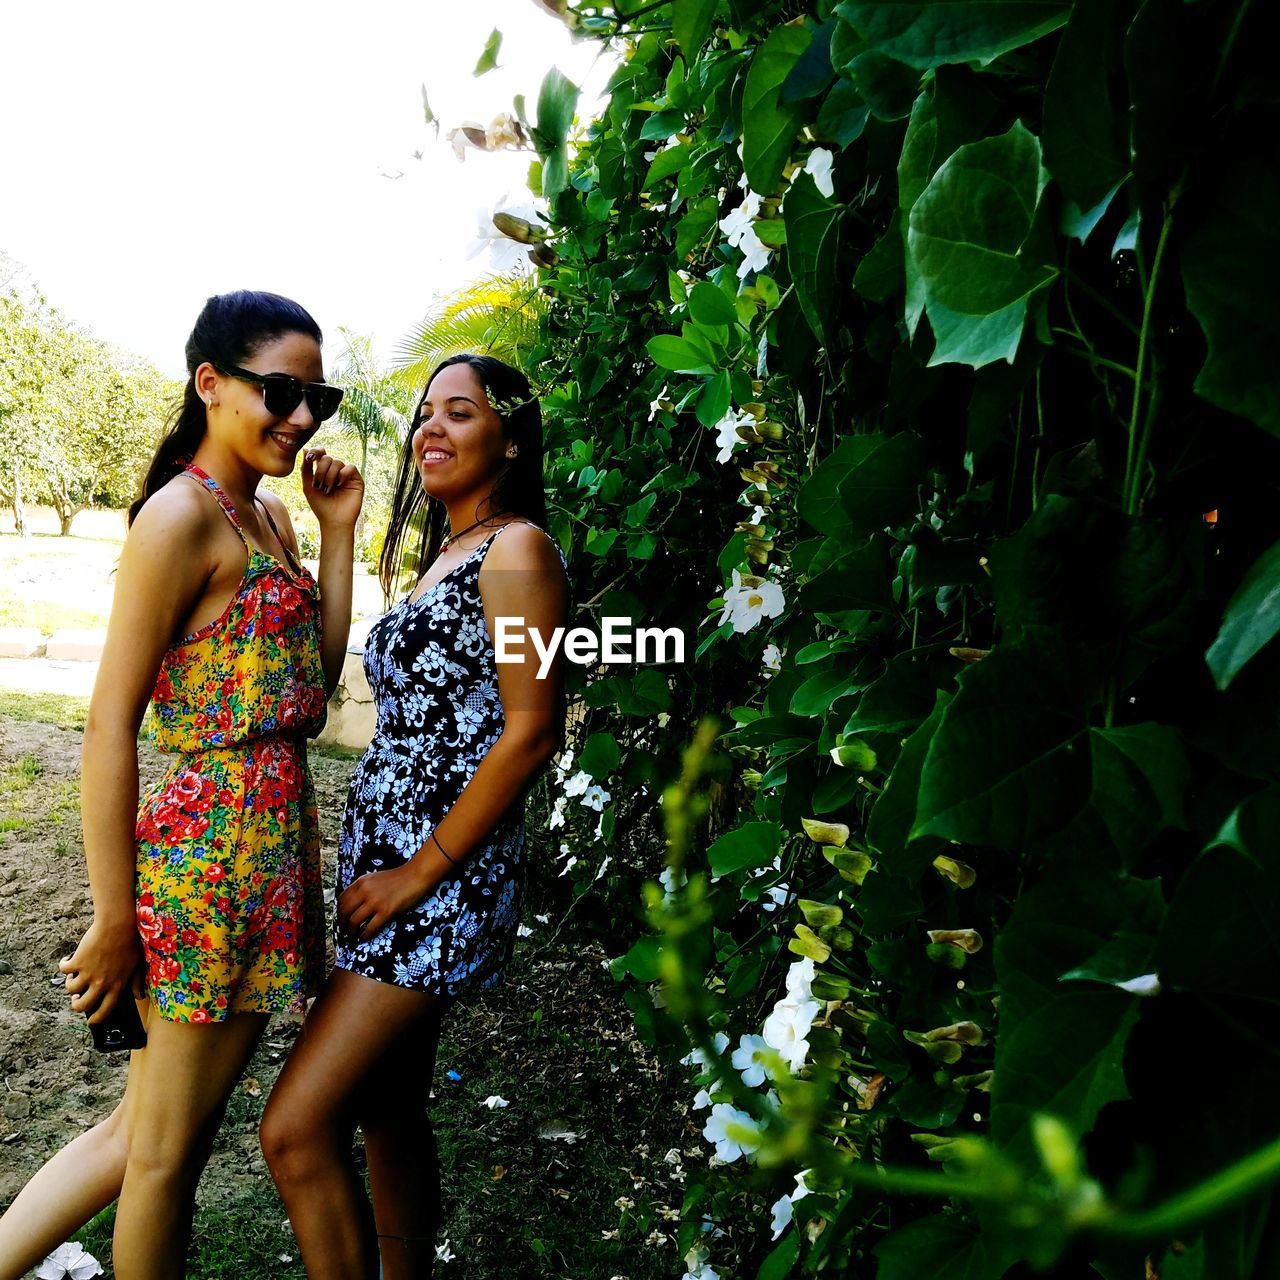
column 230, row 904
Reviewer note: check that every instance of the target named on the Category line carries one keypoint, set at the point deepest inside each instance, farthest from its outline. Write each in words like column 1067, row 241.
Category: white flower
column 738, row 223
column 495, row 1100
column 523, row 931
column 669, row 882
column 603, row 865
column 818, row 166
column 69, row 1259
column 747, row 605
column 756, row 253
column 557, row 814
column 504, row 254
column 702, row 1099
column 771, row 658
column 444, row 1253
column 783, row 1207
column 564, row 763
column 727, row 432
column 577, row 784
column 746, row 1059
column 800, row 979
column 505, row 131
column 568, row 866
column 660, row 403
column 698, row 1057
column 787, row 1029
column 595, row 797
column 732, row 1131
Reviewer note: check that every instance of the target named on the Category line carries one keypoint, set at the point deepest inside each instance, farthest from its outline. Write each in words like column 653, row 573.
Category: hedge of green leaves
column 918, row 359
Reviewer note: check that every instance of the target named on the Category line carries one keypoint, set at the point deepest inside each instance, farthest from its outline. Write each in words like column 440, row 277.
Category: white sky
column 155, row 153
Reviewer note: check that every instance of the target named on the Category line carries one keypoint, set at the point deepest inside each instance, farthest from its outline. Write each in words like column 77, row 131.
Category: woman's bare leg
column 310, row 1119
column 86, row 1175
column 71, row 1188
column 182, row 1081
column 404, row 1164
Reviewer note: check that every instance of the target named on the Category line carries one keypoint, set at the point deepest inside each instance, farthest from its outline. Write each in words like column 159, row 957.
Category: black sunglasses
column 282, row 393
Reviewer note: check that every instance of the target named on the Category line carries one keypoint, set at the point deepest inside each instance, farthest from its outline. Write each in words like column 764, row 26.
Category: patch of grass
column 66, row 710
column 47, row 616
column 558, row 1043
column 12, row 824
column 21, row 774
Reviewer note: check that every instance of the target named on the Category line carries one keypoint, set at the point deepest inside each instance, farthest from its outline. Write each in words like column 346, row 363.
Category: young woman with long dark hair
column 431, row 855
column 207, row 901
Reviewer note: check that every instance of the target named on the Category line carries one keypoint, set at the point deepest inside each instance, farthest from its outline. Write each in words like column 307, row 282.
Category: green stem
column 1130, row 480
column 1237, row 1182
column 1104, row 302
column 1035, row 456
column 1092, row 357
column 1226, row 48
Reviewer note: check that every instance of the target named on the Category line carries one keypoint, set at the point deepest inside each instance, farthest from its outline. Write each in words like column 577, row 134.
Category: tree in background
column 78, row 418
column 496, row 316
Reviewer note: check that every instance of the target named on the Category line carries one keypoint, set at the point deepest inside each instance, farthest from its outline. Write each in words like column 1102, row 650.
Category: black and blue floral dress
column 431, row 668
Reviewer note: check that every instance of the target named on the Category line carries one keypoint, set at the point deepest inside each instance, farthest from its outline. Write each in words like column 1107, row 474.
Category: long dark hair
column 230, row 329
column 517, row 491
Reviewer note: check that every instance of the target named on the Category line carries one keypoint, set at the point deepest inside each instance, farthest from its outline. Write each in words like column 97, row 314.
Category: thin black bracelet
column 442, row 849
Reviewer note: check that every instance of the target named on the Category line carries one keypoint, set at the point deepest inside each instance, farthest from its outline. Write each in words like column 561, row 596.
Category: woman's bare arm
column 163, row 571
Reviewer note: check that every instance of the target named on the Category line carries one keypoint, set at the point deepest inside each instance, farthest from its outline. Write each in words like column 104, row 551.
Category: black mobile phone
column 121, row 1029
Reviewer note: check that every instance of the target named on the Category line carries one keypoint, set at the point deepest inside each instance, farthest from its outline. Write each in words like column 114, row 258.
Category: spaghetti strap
column 208, row 482
column 284, row 546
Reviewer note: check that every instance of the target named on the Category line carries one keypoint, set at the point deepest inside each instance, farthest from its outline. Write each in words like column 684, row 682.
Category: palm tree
column 376, row 408
column 495, row 316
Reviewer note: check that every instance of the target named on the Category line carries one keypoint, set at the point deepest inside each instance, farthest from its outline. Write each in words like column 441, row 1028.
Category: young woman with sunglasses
column 432, row 850
column 207, row 905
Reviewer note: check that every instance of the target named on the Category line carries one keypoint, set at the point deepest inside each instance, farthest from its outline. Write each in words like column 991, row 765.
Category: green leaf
column 752, row 845
column 661, row 125
column 600, row 755
column 1008, row 763
column 1083, row 145
column 943, row 1245
column 1231, row 260
column 557, row 98
column 858, row 580
column 1251, row 620
column 667, row 162
column 781, row 1259
column 813, row 235
column 881, row 489
column 1066, row 1059
column 489, row 58
column 970, row 223
column 677, row 354
column 1220, row 934
column 893, row 817
column 879, row 274
column 427, row 114
column 715, row 400
column 975, row 340
column 691, row 25
column 887, row 86
column 641, row 961
column 925, row 33
column 819, row 692
column 813, row 72
column 1139, row 779
column 695, row 226
column 769, row 126
column 710, row 305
